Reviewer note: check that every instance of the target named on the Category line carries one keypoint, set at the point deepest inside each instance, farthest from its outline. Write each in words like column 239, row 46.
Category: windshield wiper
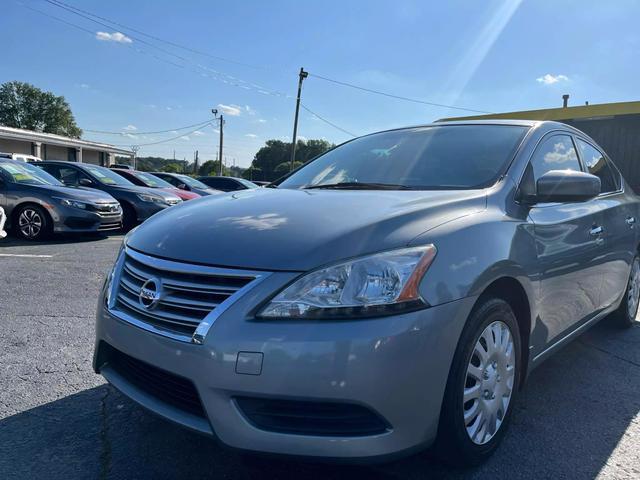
column 359, row 186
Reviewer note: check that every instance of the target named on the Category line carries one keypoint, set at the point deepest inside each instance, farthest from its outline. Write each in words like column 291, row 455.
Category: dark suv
column 185, row 182
column 227, row 184
column 37, row 204
column 138, row 203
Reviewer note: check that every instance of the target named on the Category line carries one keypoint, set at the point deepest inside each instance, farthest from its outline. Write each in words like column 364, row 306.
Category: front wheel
column 482, row 385
column 626, row 314
column 32, row 223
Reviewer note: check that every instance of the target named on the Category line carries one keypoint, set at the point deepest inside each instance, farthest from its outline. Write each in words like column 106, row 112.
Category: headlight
column 374, row 285
column 145, row 197
column 68, row 202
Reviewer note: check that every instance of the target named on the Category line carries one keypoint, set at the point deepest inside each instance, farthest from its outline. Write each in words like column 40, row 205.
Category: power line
column 327, row 121
column 169, row 139
column 398, row 97
column 234, row 80
column 135, row 132
column 167, row 42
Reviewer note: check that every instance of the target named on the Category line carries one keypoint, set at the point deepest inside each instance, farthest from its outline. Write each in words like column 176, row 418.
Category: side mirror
column 184, row 186
column 567, row 186
column 85, row 182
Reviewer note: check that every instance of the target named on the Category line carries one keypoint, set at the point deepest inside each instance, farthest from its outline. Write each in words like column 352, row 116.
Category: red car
column 145, row 179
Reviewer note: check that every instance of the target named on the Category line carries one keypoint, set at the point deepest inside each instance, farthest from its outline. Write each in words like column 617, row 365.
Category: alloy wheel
column 633, row 292
column 30, row 223
column 489, row 382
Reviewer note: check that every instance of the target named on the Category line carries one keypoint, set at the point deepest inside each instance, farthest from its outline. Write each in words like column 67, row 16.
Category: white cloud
column 113, row 37
column 251, row 135
column 185, row 138
column 129, row 135
column 84, row 85
column 549, row 79
column 262, row 120
column 197, row 133
column 249, row 110
column 130, row 128
column 231, row 110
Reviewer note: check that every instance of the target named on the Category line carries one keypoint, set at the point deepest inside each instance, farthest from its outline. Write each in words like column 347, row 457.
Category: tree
column 172, row 168
column 273, row 160
column 23, row 105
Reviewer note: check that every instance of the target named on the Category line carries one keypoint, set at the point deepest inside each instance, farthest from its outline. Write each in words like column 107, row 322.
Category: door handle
column 595, row 231
column 630, row 221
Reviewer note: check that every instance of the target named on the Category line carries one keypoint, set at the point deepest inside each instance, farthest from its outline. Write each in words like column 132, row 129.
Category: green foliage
column 158, row 164
column 272, row 160
column 172, row 168
column 23, row 105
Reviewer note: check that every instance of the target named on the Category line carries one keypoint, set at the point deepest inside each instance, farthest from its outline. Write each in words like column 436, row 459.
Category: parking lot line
column 26, row 255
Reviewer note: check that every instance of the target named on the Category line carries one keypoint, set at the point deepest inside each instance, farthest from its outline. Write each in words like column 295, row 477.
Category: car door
column 569, row 246
column 618, row 222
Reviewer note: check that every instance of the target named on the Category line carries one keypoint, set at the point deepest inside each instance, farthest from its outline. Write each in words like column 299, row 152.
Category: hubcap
column 633, row 294
column 30, row 223
column 489, row 382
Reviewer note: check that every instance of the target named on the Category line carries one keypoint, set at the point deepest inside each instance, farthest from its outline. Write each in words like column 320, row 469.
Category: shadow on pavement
column 58, row 239
column 569, row 420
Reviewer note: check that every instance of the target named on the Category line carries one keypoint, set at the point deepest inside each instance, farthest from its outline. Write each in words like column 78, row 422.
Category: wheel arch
column 12, row 219
column 512, row 291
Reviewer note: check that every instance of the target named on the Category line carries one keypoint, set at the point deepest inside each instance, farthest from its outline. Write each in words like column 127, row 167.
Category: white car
column 23, row 157
column 3, row 219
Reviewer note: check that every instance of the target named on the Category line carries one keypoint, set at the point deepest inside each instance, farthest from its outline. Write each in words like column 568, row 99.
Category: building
column 56, row 147
column 615, row 126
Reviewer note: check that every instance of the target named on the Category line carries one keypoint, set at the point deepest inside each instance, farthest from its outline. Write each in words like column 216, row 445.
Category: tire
column 626, row 314
column 32, row 223
column 129, row 217
column 489, row 385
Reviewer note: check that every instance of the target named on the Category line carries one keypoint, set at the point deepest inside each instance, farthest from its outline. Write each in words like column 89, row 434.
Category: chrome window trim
column 205, row 325
column 609, row 162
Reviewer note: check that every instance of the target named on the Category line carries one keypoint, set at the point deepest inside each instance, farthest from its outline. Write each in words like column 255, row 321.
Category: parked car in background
column 23, row 157
column 138, row 203
column 393, row 292
column 227, row 184
column 3, row 220
column 145, row 179
column 36, row 204
column 185, row 182
column 122, row 166
column 260, row 183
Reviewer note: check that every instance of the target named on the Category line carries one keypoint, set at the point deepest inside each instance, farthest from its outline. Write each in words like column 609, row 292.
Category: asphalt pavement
column 577, row 418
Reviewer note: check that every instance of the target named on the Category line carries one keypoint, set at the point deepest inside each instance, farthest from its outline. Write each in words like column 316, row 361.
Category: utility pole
column 302, row 75
column 195, row 164
column 134, row 150
column 215, row 114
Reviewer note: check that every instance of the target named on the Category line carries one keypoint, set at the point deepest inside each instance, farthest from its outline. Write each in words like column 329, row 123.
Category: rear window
column 425, row 158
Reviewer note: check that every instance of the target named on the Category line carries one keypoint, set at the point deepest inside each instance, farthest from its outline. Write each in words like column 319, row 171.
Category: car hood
column 296, row 230
column 87, row 195
column 183, row 194
column 136, row 189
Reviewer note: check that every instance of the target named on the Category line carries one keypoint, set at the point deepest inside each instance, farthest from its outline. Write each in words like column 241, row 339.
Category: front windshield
column 27, row 174
column 192, row 182
column 106, row 176
column 247, row 183
column 151, row 180
column 424, row 158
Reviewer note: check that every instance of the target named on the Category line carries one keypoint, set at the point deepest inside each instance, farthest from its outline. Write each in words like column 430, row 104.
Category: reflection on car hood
column 136, row 189
column 87, row 195
column 297, row 229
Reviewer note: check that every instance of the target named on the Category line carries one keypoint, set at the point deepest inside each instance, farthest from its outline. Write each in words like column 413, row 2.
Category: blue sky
column 490, row 55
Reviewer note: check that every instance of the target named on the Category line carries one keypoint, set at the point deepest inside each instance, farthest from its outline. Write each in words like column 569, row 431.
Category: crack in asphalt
column 105, row 443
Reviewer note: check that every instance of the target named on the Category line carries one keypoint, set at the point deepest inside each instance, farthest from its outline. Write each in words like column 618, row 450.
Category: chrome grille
column 187, row 294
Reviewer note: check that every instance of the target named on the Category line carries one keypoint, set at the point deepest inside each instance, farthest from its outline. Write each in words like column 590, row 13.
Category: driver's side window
column 68, row 176
column 554, row 153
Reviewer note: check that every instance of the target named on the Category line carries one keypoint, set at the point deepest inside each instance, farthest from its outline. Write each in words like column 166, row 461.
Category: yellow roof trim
column 568, row 113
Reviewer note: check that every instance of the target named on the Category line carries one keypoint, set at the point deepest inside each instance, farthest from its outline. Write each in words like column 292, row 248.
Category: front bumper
column 70, row 220
column 145, row 210
column 395, row 366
